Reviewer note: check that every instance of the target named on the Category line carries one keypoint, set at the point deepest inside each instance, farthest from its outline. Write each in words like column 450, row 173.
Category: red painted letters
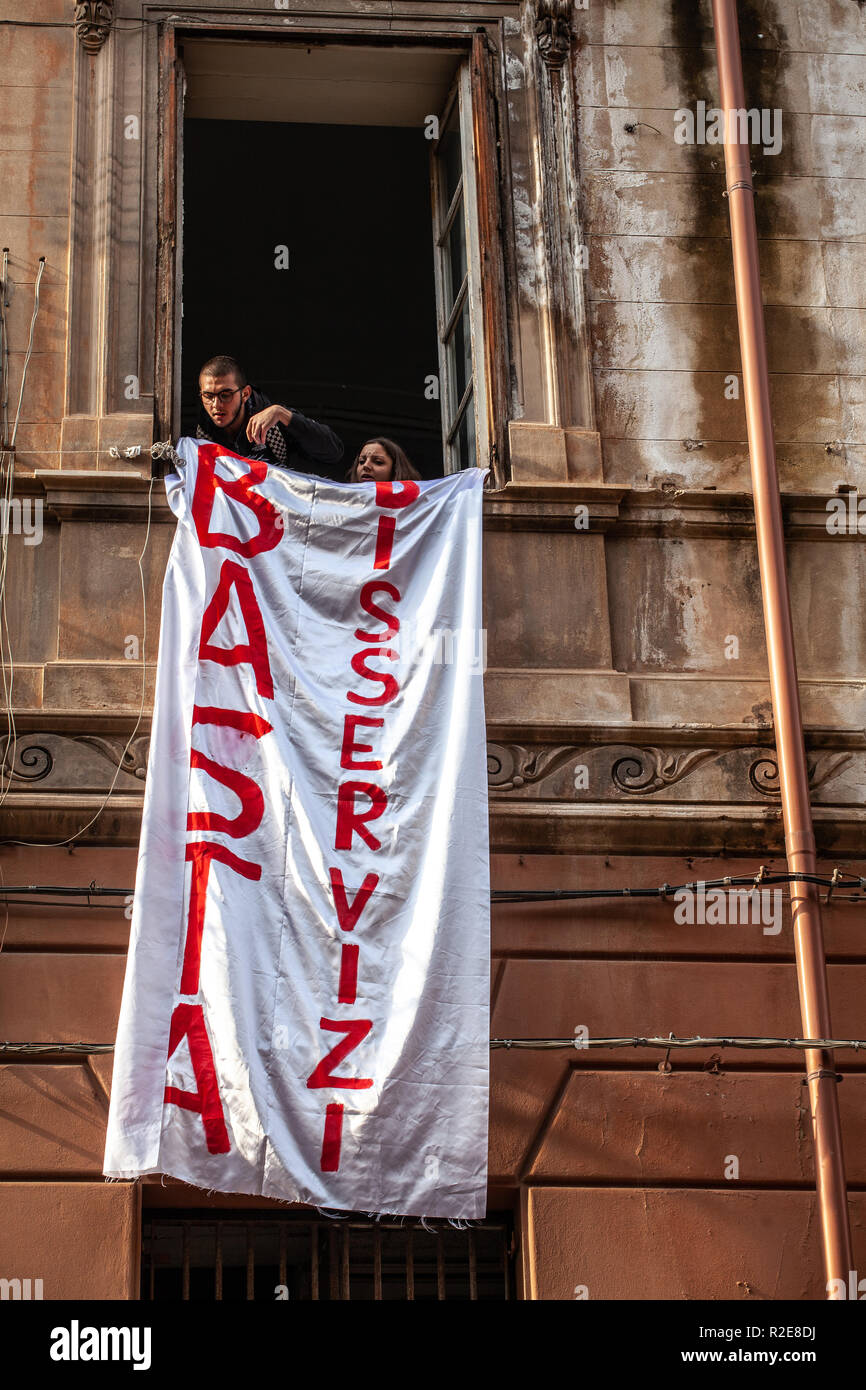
column 352, row 821
column 188, row 1020
column 356, row 1030
column 359, row 665
column 376, row 586
column 255, row 652
column 241, row 490
column 350, row 747
column 348, row 915
column 202, row 853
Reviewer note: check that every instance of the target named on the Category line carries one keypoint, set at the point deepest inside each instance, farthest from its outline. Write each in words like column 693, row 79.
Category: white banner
column 305, row 1011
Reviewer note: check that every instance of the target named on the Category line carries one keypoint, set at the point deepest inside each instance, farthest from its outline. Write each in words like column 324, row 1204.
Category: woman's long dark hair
column 401, row 469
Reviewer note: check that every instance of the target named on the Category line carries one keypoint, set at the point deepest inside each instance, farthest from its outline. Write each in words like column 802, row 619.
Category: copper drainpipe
column 791, row 754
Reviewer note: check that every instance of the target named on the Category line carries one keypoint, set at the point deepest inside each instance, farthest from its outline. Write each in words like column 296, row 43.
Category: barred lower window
column 260, row 1256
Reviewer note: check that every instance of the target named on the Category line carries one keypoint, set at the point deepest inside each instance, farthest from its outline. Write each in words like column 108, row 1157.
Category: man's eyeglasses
column 223, row 396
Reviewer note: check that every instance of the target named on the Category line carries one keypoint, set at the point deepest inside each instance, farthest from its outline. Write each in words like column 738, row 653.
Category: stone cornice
column 102, row 495
column 107, row 722
column 590, row 788
column 611, row 508
column 537, row 828
column 622, row 511
column 517, row 826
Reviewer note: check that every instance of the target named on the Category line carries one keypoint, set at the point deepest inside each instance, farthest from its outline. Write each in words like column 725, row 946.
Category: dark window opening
column 347, row 334
column 256, row 1256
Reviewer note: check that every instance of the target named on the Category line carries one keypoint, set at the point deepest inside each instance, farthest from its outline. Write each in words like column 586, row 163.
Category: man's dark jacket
column 297, row 445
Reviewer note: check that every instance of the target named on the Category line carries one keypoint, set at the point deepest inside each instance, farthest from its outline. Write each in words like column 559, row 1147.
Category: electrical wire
column 29, row 351
column 673, row 1042
column 68, row 23
column 6, row 916
column 837, row 880
column 761, row 879
column 52, row 844
column 4, row 344
column 83, row 1049
column 7, row 482
column 162, row 449
column 6, row 466
column 92, row 890
column 6, row 475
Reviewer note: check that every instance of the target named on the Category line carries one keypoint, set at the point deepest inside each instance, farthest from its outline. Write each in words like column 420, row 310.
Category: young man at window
column 241, row 418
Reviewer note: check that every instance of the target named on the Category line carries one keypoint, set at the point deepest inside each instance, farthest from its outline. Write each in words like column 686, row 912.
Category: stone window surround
column 546, row 431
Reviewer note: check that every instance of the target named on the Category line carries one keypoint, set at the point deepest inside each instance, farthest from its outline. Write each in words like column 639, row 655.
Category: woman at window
column 381, row 461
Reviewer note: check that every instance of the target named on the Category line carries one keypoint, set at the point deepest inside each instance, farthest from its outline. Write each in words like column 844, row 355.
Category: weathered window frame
column 490, row 313
column 461, row 384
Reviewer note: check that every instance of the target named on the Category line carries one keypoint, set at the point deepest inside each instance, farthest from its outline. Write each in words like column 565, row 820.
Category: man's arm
column 316, row 442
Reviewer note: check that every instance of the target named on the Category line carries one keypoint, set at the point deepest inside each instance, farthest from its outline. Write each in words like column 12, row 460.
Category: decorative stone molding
column 26, row 761
column 73, row 762
column 93, row 21
column 132, row 759
column 553, row 30
column 764, row 771
column 722, row 775
column 511, row 766
column 648, row 770
column 640, row 771
column 566, row 396
column 550, row 454
column 90, row 494
column 674, row 793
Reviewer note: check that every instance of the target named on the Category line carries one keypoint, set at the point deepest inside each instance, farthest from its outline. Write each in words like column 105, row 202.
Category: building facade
column 501, row 230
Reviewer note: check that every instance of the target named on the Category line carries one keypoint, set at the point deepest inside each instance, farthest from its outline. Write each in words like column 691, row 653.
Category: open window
column 457, row 269
column 322, row 238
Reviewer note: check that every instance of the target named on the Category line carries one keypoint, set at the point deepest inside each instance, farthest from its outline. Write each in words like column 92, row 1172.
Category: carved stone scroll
column 93, row 21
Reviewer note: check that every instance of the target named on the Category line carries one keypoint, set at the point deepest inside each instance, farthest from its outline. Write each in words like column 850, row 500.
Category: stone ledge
column 524, row 828
column 516, row 826
column 555, row 696
column 683, row 700
column 100, row 494
column 54, row 816
column 100, row 685
column 87, row 494
column 620, row 510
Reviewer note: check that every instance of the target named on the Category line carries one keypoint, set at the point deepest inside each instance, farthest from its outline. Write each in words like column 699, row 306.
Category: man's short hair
column 224, row 366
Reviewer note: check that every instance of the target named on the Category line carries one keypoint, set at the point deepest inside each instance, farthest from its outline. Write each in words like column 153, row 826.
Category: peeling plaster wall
column 660, row 279
column 665, row 350
column 36, row 121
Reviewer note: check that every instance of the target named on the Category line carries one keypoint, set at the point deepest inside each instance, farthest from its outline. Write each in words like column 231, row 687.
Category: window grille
column 262, row 1257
